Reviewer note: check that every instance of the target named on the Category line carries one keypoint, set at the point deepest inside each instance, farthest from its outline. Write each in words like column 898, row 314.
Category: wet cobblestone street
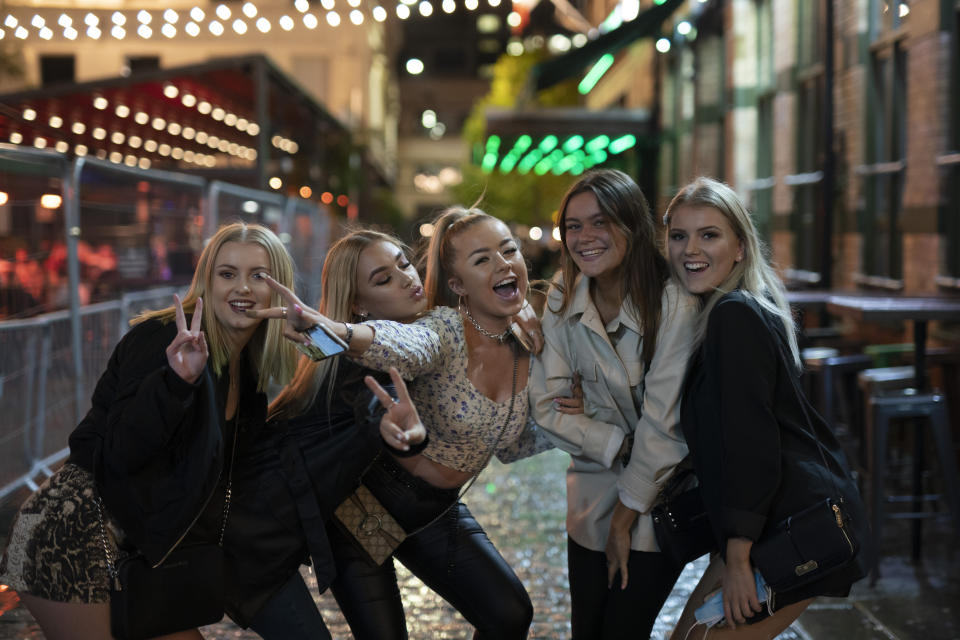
column 522, row 507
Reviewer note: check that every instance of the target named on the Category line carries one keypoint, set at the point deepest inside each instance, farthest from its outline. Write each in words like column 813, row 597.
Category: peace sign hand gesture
column 400, row 426
column 187, row 354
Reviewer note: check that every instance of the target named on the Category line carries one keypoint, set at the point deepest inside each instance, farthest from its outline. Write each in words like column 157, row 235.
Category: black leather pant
column 452, row 556
column 599, row 613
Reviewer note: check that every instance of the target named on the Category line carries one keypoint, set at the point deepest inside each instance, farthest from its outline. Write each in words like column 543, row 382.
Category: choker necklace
column 499, row 337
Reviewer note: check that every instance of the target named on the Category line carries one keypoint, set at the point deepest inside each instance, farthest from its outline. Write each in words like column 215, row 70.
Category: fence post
column 72, row 220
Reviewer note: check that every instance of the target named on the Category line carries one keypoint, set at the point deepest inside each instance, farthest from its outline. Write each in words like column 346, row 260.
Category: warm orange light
column 326, row 198
column 3, row 198
column 50, row 201
column 342, row 200
column 305, row 191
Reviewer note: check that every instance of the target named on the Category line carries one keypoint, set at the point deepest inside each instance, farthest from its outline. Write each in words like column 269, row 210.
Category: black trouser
column 452, row 556
column 599, row 613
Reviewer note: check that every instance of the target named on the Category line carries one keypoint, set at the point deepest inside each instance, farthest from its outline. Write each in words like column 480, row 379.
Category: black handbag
column 680, row 522
column 183, row 591
column 805, row 547
column 811, row 543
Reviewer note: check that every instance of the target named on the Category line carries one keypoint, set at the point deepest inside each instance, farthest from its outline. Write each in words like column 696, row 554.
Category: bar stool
column 830, row 372
column 930, row 408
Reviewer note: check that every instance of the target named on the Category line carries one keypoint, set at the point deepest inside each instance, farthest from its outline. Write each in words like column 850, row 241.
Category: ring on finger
column 283, row 312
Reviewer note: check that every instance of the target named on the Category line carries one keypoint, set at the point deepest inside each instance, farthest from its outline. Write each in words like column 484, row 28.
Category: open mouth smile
column 506, row 288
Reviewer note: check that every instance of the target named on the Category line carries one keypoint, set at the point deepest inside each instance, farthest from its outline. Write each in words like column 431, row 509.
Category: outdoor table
column 918, row 309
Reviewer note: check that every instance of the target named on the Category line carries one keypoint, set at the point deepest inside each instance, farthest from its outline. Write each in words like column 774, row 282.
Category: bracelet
column 349, row 337
column 409, row 453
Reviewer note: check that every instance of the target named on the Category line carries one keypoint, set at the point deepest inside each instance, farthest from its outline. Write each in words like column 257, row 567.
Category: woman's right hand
column 400, row 426
column 187, row 354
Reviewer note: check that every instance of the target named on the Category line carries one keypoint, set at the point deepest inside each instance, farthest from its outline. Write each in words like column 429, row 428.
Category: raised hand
column 526, row 328
column 297, row 315
column 187, row 354
column 400, row 426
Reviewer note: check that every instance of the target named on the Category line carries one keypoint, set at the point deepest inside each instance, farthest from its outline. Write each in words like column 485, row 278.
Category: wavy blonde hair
column 338, row 294
column 753, row 275
column 273, row 355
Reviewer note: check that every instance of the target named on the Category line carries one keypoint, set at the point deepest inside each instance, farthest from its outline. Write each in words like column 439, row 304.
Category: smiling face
column 236, row 285
column 703, row 247
column 489, row 271
column 388, row 286
column 595, row 243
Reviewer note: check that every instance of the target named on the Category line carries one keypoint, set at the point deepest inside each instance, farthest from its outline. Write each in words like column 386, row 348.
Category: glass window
column 885, row 152
column 949, row 214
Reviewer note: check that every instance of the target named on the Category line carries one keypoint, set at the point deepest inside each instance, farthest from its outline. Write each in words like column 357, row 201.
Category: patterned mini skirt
column 55, row 550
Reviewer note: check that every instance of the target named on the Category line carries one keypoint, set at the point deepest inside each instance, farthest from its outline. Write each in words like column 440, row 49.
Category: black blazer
column 155, row 444
column 747, row 428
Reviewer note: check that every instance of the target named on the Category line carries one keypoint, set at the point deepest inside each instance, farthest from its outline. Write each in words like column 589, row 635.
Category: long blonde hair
column 753, row 275
column 440, row 254
column 273, row 355
column 338, row 290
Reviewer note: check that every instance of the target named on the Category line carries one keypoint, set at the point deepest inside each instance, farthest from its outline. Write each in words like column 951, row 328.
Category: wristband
column 409, row 453
column 349, row 337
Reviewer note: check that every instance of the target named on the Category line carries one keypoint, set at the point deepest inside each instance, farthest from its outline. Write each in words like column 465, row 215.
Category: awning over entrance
column 646, row 24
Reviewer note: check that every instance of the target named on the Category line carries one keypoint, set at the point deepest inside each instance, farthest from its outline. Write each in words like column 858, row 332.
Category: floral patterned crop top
column 463, row 423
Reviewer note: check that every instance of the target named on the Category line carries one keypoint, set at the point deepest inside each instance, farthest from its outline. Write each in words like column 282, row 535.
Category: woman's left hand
column 527, row 324
column 572, row 404
column 297, row 316
column 400, row 426
column 739, row 586
column 618, row 543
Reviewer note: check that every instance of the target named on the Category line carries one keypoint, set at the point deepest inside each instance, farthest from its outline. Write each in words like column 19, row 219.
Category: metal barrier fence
column 118, row 241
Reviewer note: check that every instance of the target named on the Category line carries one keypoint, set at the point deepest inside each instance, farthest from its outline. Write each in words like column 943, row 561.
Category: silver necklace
column 499, row 337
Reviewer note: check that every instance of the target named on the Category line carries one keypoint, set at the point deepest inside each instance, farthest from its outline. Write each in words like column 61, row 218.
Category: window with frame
column 884, row 165
column 761, row 189
column 806, row 218
column 949, row 162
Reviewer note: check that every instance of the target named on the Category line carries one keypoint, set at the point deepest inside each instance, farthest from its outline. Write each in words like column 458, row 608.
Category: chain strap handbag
column 183, row 591
column 370, row 524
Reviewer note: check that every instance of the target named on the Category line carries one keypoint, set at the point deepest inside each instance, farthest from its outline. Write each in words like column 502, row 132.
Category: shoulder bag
column 370, row 524
column 680, row 522
column 184, row 591
column 811, row 543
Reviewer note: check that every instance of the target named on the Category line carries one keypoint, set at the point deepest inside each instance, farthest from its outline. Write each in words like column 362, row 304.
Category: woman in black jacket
column 178, row 395
column 743, row 416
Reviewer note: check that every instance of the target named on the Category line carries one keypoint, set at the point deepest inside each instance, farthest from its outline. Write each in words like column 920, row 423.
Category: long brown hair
column 273, row 355
column 644, row 269
column 338, row 290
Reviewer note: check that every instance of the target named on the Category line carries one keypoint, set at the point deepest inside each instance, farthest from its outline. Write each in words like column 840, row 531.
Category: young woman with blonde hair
column 753, row 435
column 155, row 446
column 469, row 383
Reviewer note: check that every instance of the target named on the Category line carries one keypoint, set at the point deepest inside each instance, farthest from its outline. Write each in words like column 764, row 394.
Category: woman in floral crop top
column 469, row 383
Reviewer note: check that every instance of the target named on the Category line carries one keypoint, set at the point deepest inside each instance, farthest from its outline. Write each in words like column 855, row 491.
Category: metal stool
column 909, row 404
column 833, row 370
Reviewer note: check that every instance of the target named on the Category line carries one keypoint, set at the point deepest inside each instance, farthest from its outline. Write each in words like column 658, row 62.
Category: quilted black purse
column 680, row 522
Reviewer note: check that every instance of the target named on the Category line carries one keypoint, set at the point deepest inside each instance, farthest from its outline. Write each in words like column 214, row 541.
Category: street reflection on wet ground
column 522, row 508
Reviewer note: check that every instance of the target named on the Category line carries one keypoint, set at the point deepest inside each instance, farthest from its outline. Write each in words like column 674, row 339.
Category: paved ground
column 522, row 509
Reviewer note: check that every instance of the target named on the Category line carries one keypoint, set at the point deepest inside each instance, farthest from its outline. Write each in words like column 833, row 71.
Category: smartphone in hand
column 323, row 343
